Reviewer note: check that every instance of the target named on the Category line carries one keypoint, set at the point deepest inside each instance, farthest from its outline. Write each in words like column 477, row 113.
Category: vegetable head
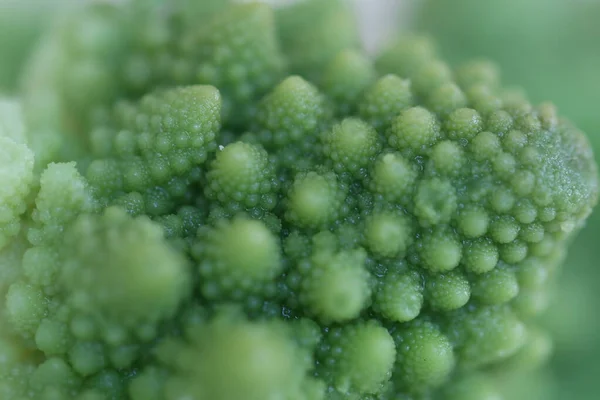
column 359, row 229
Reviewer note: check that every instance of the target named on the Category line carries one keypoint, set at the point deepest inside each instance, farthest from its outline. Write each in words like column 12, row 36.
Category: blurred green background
column 21, row 23
column 551, row 48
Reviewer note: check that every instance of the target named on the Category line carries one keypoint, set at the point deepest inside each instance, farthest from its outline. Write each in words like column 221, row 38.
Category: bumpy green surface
column 16, row 171
column 235, row 222
column 537, row 44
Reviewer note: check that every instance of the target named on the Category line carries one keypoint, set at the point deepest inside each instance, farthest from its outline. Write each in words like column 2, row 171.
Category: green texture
column 249, row 207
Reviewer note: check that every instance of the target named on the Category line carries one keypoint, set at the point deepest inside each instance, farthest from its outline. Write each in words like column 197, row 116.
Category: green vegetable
column 237, row 224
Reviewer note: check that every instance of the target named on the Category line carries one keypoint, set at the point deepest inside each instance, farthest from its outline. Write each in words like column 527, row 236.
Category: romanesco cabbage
column 235, row 202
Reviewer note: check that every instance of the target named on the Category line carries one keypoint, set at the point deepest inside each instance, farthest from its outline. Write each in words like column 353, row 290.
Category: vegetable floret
column 414, row 130
column 399, row 296
column 388, row 234
column 358, row 358
column 351, row 146
column 237, row 258
column 261, row 358
column 236, row 51
column 155, row 144
column 314, row 200
column 425, row 357
column 393, row 177
column 62, row 196
column 16, row 174
column 16, row 170
column 486, row 334
column 384, row 100
column 345, row 78
column 335, row 286
column 140, row 282
column 448, row 291
column 241, row 177
column 106, row 297
column 289, row 120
